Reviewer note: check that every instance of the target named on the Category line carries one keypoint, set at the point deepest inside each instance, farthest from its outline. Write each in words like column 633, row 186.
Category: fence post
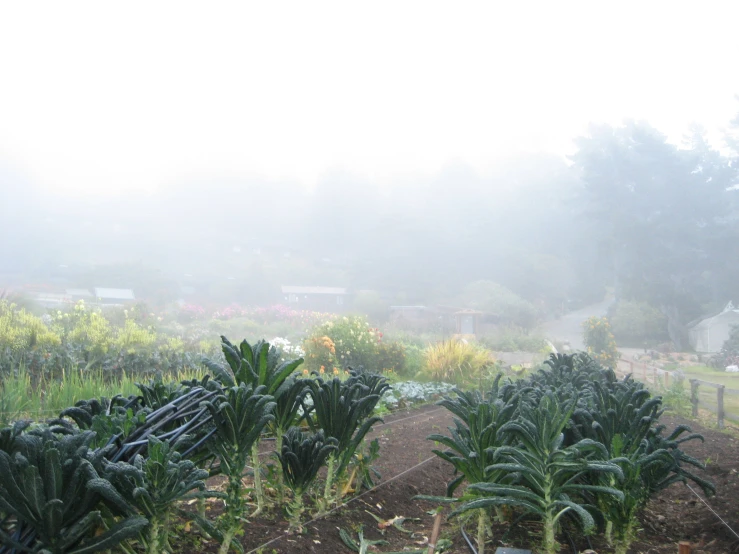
column 644, row 371
column 694, row 396
column 720, row 403
column 654, row 377
column 667, row 379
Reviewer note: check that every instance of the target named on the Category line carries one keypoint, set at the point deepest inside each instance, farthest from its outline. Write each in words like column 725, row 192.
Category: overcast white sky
column 110, row 96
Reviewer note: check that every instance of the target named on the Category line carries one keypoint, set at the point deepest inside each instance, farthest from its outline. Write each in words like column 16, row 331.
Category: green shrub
column 513, row 339
column 391, row 357
column 634, row 323
column 413, row 360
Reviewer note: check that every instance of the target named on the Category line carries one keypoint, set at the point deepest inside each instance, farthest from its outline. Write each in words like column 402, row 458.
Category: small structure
column 114, row 297
column 323, row 299
column 707, row 335
column 51, row 300
column 79, row 294
column 468, row 322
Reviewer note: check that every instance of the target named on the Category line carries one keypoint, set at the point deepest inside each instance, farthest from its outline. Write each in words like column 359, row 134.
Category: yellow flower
column 305, row 372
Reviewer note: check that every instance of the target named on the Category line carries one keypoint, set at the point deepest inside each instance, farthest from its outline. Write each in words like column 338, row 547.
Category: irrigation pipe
column 260, row 547
column 712, row 510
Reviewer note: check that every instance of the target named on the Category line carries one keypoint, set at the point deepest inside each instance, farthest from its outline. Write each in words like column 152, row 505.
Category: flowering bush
column 20, row 330
column 190, row 312
column 289, row 350
column 600, row 342
column 354, row 343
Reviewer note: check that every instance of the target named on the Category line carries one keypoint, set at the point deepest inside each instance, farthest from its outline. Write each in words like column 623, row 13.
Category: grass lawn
column 708, row 394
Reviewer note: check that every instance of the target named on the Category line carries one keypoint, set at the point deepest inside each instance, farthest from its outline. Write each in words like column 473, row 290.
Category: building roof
column 707, row 320
column 312, row 290
column 114, row 294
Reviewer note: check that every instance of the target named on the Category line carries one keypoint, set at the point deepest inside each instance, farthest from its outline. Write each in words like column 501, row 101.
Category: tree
column 660, row 214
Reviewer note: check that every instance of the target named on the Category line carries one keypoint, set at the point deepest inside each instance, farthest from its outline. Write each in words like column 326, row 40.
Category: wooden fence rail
column 653, row 374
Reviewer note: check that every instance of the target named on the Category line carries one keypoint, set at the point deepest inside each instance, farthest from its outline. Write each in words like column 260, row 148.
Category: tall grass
column 21, row 398
column 455, row 361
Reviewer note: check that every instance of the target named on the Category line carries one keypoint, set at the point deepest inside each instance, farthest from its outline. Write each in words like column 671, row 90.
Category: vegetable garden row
column 570, row 445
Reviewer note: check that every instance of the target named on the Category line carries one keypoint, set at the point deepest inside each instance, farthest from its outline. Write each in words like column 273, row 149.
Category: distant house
column 708, row 334
column 50, row 300
column 113, row 297
column 79, row 294
column 320, row 299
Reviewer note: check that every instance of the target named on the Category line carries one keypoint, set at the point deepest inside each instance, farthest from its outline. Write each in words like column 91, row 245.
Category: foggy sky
column 112, row 97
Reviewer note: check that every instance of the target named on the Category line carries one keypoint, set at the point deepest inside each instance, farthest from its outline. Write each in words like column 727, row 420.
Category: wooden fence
column 661, row 378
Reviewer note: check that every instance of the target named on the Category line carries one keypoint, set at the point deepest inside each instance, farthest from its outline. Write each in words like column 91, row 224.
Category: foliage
column 548, row 473
column 600, row 342
column 343, row 411
column 571, row 438
column 513, row 339
column 51, row 486
column 455, row 361
column 475, row 436
column 301, row 456
column 658, row 211
column 343, row 342
column 637, row 323
column 240, row 414
column 262, row 365
column 391, row 357
column 152, row 485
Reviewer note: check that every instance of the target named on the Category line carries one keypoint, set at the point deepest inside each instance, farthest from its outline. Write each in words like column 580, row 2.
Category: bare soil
column 408, row 468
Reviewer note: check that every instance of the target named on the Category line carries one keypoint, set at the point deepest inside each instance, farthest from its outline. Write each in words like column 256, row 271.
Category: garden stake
column 684, row 547
column 435, row 532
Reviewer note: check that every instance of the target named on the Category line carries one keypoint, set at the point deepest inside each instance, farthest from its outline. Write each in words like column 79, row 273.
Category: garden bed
column 406, row 458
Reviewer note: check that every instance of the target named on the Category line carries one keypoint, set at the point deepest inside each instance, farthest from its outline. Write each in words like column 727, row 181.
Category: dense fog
column 623, row 210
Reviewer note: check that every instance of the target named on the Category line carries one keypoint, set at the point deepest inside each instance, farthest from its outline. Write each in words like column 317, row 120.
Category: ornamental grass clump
column 455, row 361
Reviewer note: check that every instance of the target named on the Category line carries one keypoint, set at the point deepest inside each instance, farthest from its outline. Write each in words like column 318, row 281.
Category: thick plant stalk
column 327, row 496
column 279, row 480
column 154, row 547
column 549, row 541
column 258, row 491
column 623, row 540
column 296, row 511
column 481, row 517
column 201, row 513
column 234, row 506
column 227, row 538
